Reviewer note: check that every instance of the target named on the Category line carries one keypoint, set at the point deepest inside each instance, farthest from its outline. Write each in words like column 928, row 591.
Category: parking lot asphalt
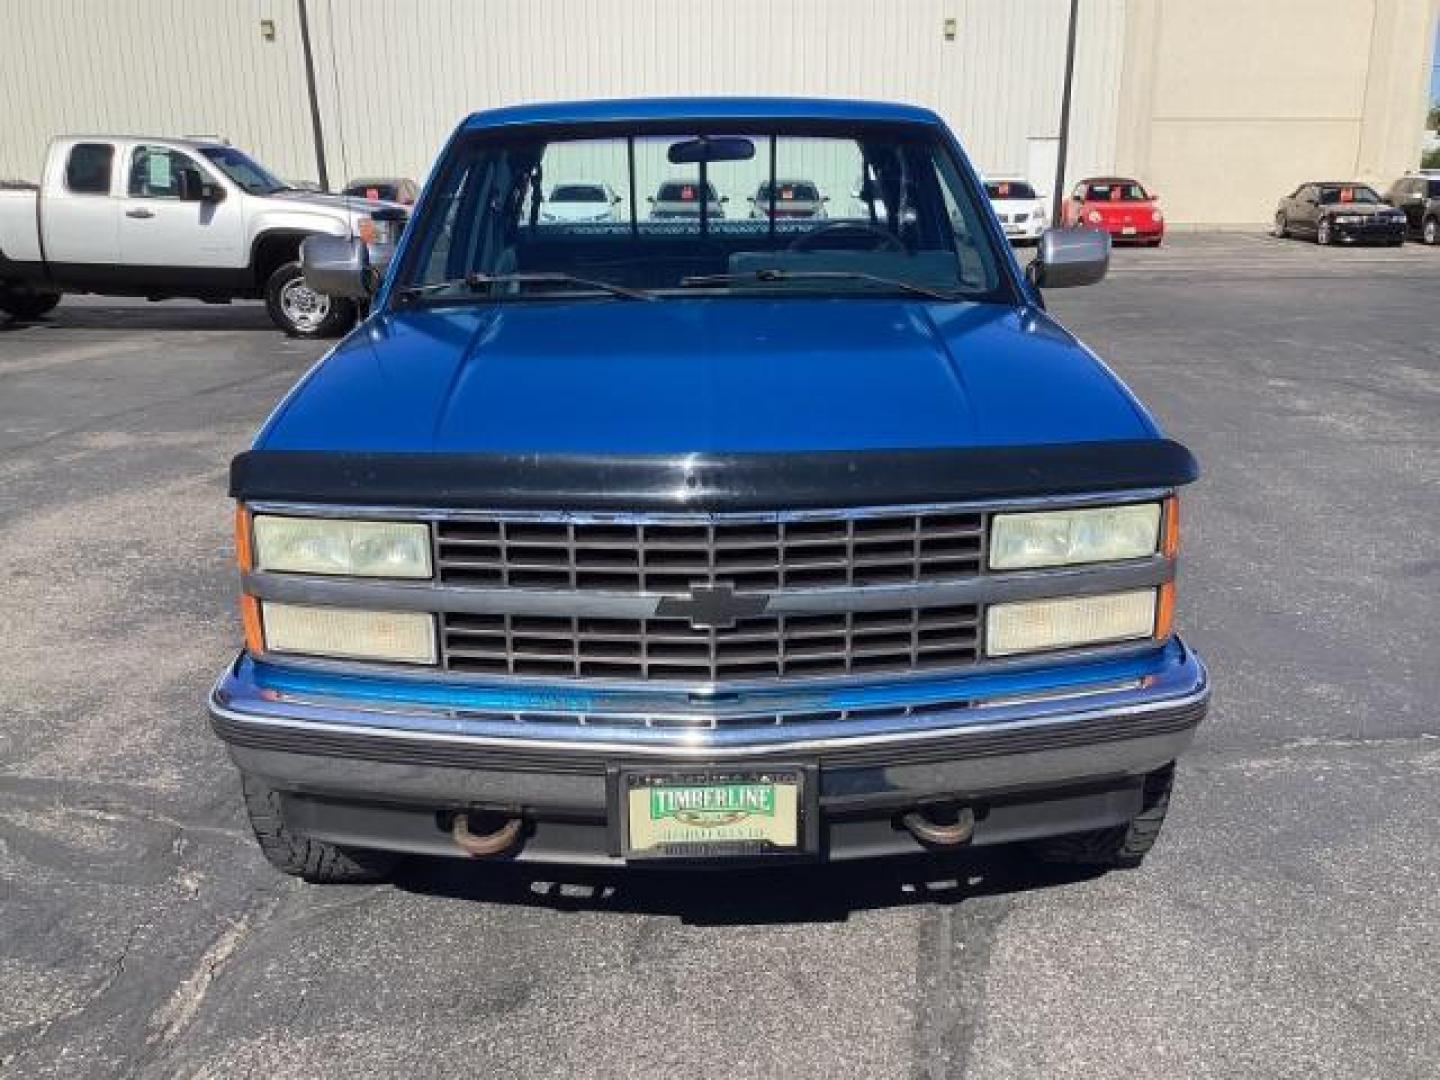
column 1287, row 925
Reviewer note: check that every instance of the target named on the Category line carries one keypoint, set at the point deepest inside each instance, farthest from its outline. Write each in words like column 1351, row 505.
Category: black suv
column 1419, row 196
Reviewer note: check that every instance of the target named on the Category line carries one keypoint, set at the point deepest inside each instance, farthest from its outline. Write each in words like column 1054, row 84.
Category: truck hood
column 682, row 376
column 320, row 201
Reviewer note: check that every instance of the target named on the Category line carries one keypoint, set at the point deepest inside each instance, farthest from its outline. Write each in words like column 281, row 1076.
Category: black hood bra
column 708, row 482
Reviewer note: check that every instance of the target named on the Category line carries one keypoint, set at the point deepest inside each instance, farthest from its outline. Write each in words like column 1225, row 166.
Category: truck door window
column 155, row 172
column 87, row 171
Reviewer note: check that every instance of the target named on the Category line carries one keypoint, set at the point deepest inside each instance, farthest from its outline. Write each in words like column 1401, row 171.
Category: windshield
column 686, row 219
column 252, row 177
column 578, row 193
column 1009, row 189
column 1347, row 193
column 1117, row 192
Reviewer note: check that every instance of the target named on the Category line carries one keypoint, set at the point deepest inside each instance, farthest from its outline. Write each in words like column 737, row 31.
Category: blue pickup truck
column 708, row 539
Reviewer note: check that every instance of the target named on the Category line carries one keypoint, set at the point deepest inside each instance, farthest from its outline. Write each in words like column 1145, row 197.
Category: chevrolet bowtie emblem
column 714, row 608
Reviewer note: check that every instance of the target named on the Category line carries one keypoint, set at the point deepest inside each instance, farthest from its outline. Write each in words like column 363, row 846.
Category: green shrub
column 1430, row 159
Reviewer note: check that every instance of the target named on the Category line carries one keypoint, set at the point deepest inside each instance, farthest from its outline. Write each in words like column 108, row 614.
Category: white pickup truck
column 164, row 218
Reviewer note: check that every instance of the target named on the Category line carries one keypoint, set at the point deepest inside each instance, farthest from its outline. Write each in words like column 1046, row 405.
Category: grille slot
column 670, row 649
column 704, row 722
column 665, row 557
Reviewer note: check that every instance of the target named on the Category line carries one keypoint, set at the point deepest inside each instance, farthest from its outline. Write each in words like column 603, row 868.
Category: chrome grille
column 671, row 557
column 670, row 649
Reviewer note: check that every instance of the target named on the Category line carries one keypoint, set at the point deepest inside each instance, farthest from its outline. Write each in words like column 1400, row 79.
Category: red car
column 1119, row 206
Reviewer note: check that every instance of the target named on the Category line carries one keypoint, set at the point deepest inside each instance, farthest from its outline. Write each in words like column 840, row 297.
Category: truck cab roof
column 692, row 109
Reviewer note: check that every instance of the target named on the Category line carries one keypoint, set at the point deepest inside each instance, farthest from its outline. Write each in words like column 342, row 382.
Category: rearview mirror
column 705, row 148
column 336, row 266
column 1069, row 257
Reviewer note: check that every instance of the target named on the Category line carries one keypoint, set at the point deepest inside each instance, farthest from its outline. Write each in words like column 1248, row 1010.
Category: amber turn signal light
column 1170, row 543
column 1165, row 611
column 250, row 619
column 244, row 556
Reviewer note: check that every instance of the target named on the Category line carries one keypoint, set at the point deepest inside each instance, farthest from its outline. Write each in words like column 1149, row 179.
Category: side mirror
column 824, row 198
column 1069, row 257
column 195, row 188
column 650, row 198
column 724, row 198
column 336, row 266
column 614, row 200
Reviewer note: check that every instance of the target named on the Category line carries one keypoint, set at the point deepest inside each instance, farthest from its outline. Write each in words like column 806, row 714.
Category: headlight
column 1156, row 215
column 1072, row 537
column 390, row 549
column 1093, row 217
column 404, row 637
column 1036, row 625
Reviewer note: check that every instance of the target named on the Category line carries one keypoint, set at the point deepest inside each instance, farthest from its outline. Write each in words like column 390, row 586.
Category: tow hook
column 924, row 827
column 482, row 844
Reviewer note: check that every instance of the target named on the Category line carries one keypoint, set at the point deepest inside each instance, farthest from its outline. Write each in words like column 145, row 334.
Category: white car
column 580, row 202
column 1021, row 209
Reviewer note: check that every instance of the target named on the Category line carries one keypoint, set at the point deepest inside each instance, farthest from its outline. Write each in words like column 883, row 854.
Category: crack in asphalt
column 38, row 1032
column 175, row 1015
column 953, row 953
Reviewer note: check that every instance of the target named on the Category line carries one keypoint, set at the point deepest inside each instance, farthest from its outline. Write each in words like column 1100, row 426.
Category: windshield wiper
column 775, row 275
column 476, row 282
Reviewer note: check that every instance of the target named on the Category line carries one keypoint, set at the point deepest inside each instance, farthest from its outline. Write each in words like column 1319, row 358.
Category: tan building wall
column 1228, row 104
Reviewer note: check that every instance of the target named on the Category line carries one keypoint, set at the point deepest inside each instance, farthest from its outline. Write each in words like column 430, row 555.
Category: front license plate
column 712, row 814
column 1128, row 230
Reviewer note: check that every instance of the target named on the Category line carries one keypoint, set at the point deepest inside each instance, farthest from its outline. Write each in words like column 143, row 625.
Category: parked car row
column 597, row 201
column 1332, row 212
column 1116, row 205
column 1340, row 212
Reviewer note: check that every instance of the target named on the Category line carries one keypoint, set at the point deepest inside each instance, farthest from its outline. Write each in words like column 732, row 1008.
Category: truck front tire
column 299, row 856
column 1121, row 847
column 24, row 306
column 302, row 312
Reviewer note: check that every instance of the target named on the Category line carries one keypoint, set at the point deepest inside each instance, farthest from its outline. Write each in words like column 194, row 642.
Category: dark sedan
column 1339, row 212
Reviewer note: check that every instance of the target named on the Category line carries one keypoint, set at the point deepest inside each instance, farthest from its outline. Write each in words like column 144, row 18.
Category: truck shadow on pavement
column 813, row 894
column 145, row 316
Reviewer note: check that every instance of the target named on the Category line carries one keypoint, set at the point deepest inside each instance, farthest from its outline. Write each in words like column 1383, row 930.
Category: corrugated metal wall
column 393, row 77
column 156, row 67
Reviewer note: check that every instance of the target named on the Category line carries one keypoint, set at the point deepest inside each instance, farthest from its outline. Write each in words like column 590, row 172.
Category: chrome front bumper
column 1106, row 721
